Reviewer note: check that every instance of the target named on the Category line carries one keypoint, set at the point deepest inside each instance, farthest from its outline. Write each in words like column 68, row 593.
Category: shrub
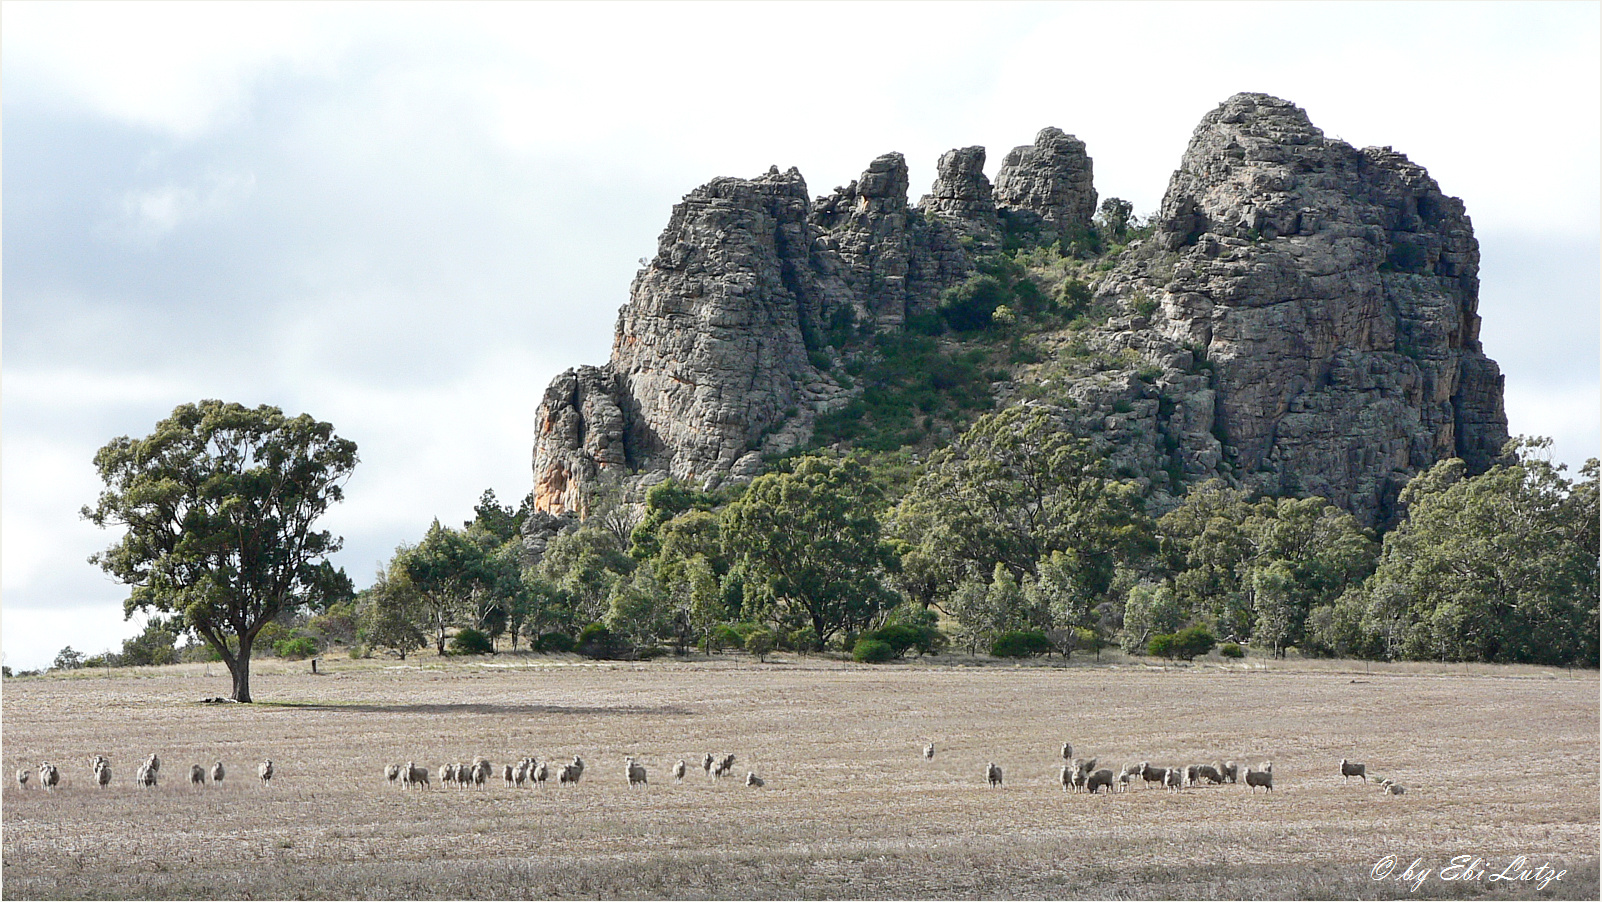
column 804, row 639
column 359, row 651
column 724, row 636
column 471, row 642
column 1020, row 644
column 1231, row 650
column 295, row 647
column 899, row 636
column 649, row 652
column 760, row 642
column 872, row 651
column 1162, row 645
column 596, row 641
column 548, row 643
column 1193, row 641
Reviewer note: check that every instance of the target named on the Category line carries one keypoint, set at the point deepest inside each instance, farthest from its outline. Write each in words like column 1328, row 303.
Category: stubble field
column 1498, row 762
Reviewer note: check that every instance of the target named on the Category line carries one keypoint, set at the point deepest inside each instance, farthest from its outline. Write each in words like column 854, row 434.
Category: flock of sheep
column 537, row 772
column 145, row 777
column 1082, row 775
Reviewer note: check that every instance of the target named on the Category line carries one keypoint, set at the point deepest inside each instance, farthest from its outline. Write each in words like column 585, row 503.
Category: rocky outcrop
column 962, row 198
column 1329, row 294
column 1047, row 186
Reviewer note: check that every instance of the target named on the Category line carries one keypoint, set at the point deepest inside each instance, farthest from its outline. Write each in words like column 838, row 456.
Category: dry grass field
column 1498, row 762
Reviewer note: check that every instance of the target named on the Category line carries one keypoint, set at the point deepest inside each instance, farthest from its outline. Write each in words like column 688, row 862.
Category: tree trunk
column 240, row 668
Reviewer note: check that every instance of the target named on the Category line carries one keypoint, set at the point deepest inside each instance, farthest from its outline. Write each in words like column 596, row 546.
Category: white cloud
column 148, row 214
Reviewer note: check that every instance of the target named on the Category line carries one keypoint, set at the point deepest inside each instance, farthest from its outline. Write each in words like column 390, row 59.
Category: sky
column 405, row 219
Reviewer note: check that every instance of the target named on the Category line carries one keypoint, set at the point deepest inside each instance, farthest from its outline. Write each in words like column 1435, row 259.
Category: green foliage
column 1020, row 644
column 155, row 645
column 390, row 612
column 803, row 640
column 1089, row 639
column 1148, row 611
column 218, row 505
column 872, row 651
column 1231, row 650
column 68, row 659
column 471, row 642
column 553, row 643
column 909, row 383
column 1501, row 567
column 295, row 647
column 1163, row 645
column 583, row 566
column 596, row 641
column 760, row 642
column 1193, row 641
column 724, row 636
column 339, row 624
column 809, row 544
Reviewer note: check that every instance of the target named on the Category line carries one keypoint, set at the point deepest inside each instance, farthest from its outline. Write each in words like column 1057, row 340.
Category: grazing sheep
column 217, row 772
column 146, row 776
column 197, row 775
column 751, row 779
column 724, row 765
column 154, row 763
column 1350, row 769
column 447, row 774
column 1152, row 774
column 520, row 772
column 539, row 773
column 392, row 773
column 678, row 771
column 1124, row 776
column 49, row 775
column 1067, row 751
column 1066, row 776
column 1230, row 770
column 635, row 771
column 1205, row 772
column 565, row 774
column 1393, row 787
column 1263, row 778
column 578, row 768
column 265, row 772
column 103, row 774
column 1099, row 779
column 23, row 773
column 480, row 771
column 928, row 751
column 1174, row 778
column 992, row 774
column 414, row 775
column 707, row 763
column 509, row 775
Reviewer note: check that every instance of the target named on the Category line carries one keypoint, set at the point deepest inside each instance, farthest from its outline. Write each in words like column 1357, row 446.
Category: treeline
column 1015, row 539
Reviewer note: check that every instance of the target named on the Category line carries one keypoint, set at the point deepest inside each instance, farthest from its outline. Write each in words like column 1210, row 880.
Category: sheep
column 928, row 752
column 992, row 774
column 197, row 775
column 217, row 772
column 1098, row 779
column 678, row 771
column 414, row 775
column 154, row 762
column 49, row 775
column 635, row 772
column 508, row 775
column 103, row 774
column 1230, row 770
column 1394, row 788
column 1152, row 774
column 1205, row 772
column 265, row 772
column 392, row 773
column 1124, row 776
column 707, row 762
column 480, row 771
column 1263, row 778
column 1067, row 778
column 723, row 766
column 578, row 767
column 447, row 774
column 539, row 773
column 1067, row 751
column 1350, row 769
column 520, row 772
column 751, row 779
column 23, row 773
column 1174, row 778
column 1084, row 764
column 146, row 776
column 1078, row 774
column 565, row 774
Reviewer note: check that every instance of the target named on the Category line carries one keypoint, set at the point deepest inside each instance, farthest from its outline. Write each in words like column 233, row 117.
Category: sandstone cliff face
column 1331, row 292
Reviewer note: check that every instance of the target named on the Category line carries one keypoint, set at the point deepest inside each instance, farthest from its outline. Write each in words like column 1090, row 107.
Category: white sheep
column 565, row 774
column 678, row 771
column 49, row 775
column 103, row 774
column 1350, row 769
column 993, row 774
column 1174, row 778
column 447, row 774
column 1067, row 777
column 146, row 776
column 928, row 751
column 413, row 774
column 1263, row 777
column 1067, row 751
column 217, row 772
column 1206, row 772
column 635, row 772
column 197, row 775
column 723, row 766
column 707, row 763
column 23, row 773
column 392, row 773
column 154, row 763
column 1230, row 770
column 265, row 772
column 1124, row 776
column 480, row 771
column 1393, row 787
column 539, row 774
column 751, row 779
column 520, row 772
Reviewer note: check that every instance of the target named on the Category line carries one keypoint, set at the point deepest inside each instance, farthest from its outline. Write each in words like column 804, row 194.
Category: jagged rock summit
column 1302, row 319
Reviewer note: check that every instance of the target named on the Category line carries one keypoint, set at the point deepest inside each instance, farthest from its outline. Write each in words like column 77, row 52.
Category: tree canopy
column 219, row 505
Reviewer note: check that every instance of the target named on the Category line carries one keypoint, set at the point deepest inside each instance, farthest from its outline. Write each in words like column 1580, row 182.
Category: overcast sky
column 405, row 219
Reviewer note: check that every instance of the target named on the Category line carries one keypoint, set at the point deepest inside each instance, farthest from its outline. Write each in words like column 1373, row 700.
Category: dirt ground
column 1498, row 763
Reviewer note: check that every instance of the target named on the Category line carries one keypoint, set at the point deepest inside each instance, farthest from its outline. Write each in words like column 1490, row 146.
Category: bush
column 724, row 636
column 899, row 636
column 471, row 642
column 1231, row 650
column 559, row 643
column 760, row 642
column 872, row 651
column 1193, row 641
column 295, row 647
column 649, row 652
column 359, row 651
column 1020, row 644
column 1163, row 645
column 804, row 639
column 596, row 641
